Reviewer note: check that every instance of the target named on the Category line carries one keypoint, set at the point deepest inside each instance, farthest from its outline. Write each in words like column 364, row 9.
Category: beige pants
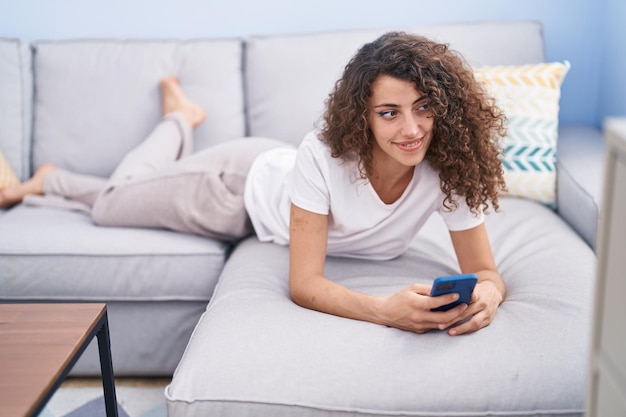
column 162, row 184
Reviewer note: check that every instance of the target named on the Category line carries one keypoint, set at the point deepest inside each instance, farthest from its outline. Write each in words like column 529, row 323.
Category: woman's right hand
column 410, row 309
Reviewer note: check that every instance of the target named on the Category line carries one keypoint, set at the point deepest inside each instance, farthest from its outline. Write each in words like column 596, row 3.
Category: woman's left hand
column 483, row 306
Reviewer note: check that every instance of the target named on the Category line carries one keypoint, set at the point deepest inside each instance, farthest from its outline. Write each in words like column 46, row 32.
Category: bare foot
column 174, row 100
column 12, row 195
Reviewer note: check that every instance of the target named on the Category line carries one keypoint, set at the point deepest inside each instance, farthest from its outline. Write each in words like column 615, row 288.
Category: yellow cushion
column 529, row 95
column 7, row 176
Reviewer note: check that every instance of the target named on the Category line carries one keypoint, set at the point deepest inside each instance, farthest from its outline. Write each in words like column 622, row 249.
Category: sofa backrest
column 83, row 104
column 15, row 104
column 288, row 78
column 96, row 99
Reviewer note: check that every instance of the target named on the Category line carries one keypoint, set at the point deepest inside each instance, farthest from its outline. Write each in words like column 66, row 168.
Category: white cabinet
column 607, row 389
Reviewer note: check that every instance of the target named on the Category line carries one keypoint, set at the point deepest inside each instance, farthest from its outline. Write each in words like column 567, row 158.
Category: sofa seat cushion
column 55, row 254
column 147, row 338
column 255, row 352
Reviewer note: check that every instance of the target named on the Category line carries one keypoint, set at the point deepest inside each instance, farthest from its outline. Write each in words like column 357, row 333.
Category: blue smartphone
column 462, row 284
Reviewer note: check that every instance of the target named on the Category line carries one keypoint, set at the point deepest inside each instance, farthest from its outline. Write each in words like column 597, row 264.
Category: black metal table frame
column 101, row 331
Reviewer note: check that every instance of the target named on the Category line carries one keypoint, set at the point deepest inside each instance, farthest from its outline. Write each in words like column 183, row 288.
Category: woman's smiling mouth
column 409, row 146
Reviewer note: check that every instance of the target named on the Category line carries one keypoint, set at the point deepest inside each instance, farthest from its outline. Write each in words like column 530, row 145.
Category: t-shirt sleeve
column 461, row 217
column 308, row 188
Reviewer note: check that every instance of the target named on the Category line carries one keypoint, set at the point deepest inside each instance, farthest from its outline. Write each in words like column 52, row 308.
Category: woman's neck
column 390, row 182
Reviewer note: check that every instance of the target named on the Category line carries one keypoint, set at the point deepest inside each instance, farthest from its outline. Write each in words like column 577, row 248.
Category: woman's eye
column 387, row 114
column 424, row 107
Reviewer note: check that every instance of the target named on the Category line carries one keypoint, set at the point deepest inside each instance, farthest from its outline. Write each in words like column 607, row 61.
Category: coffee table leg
column 106, row 367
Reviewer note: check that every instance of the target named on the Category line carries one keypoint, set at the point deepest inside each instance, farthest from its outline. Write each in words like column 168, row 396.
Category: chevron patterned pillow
column 7, row 176
column 529, row 95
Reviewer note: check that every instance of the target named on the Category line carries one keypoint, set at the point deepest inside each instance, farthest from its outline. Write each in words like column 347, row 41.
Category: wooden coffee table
column 39, row 344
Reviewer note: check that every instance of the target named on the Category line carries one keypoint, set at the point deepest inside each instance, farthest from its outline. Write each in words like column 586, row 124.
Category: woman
column 407, row 132
column 409, row 118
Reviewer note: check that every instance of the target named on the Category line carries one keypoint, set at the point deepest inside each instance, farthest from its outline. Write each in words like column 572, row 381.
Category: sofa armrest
column 580, row 170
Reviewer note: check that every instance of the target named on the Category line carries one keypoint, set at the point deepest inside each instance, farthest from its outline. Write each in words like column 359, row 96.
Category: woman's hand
column 486, row 299
column 410, row 309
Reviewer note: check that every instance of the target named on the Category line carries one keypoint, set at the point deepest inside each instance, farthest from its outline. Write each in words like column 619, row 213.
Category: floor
column 83, row 397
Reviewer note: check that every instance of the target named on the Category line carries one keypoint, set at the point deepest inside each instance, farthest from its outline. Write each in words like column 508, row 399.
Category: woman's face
column 401, row 122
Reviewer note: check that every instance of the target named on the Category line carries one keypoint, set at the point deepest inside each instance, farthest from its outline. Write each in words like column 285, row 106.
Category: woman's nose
column 410, row 127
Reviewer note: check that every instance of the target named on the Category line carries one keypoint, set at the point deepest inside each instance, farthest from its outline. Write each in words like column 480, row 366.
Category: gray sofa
column 82, row 104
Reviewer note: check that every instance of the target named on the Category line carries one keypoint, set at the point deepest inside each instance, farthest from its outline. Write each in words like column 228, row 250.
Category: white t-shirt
column 360, row 225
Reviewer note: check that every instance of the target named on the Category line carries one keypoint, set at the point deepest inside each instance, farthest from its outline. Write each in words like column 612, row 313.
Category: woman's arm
column 408, row 309
column 473, row 252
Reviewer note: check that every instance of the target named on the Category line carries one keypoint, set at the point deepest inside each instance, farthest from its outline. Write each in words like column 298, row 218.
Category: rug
column 89, row 402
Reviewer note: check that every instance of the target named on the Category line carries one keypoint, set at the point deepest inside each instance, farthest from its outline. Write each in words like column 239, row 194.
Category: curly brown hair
column 465, row 147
